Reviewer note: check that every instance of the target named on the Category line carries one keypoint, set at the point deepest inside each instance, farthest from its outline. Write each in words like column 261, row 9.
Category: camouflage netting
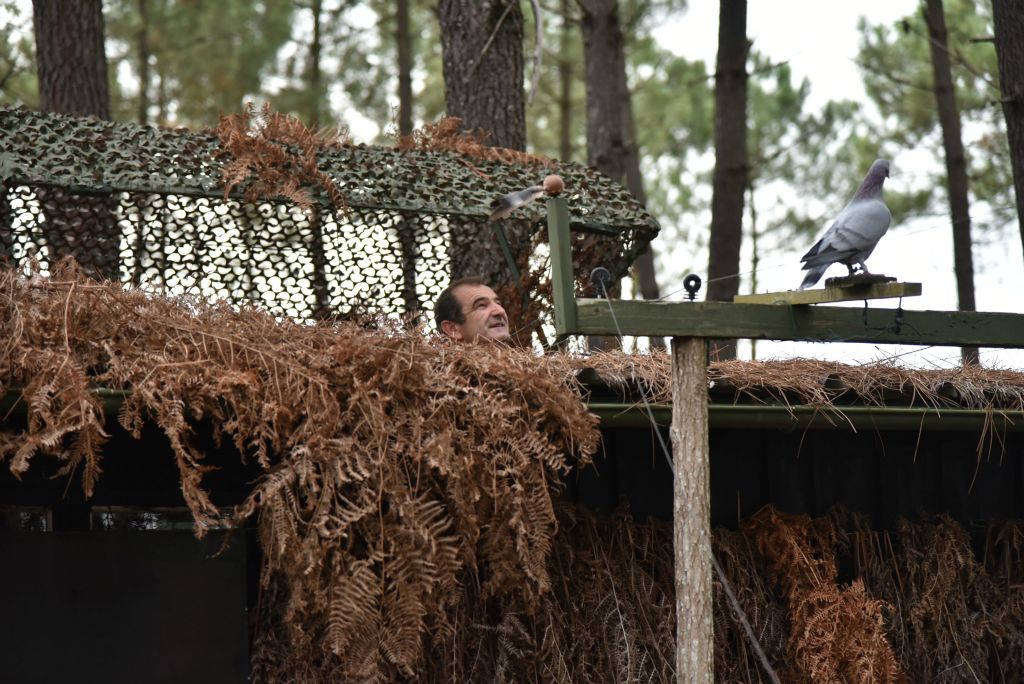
column 408, row 515
column 310, row 227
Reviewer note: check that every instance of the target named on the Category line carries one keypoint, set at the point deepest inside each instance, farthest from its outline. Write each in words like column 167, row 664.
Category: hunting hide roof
column 98, row 157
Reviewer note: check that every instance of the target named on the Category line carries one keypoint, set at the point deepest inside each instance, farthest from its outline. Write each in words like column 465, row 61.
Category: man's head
column 468, row 311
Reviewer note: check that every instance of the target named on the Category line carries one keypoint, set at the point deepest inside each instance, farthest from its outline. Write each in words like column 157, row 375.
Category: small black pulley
column 601, row 279
column 691, row 284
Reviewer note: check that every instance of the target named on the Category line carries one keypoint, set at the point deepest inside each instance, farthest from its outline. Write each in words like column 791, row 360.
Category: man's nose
column 498, row 310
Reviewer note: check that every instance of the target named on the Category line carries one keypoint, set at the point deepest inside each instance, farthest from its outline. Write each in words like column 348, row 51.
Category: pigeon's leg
column 863, row 268
column 849, row 267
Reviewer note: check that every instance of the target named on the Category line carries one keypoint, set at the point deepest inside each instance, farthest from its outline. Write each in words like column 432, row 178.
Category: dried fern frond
column 275, row 155
column 447, row 134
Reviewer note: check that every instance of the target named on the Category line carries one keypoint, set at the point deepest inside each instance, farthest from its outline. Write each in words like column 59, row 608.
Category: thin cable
column 742, row 617
column 643, row 394
column 734, row 602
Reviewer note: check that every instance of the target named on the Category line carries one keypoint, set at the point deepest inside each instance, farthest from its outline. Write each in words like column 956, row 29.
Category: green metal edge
column 854, row 418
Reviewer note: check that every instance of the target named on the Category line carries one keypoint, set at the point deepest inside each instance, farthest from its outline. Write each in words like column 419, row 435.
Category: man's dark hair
column 447, row 308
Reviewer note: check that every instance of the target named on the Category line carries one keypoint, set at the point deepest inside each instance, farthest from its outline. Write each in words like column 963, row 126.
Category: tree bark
column 731, row 165
column 644, row 264
column 70, row 60
column 313, row 67
column 565, row 81
column 1009, row 34
column 482, row 44
column 406, row 227
column 72, row 73
column 144, row 53
column 482, row 58
column 403, row 40
column 603, row 54
column 691, row 511
column 604, row 59
column 956, row 162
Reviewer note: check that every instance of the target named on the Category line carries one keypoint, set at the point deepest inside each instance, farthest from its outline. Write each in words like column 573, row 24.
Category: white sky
column 822, row 49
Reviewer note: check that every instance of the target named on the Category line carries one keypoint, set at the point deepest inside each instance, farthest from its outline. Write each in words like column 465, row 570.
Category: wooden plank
column 833, row 294
column 691, row 511
column 806, row 323
column 563, row 289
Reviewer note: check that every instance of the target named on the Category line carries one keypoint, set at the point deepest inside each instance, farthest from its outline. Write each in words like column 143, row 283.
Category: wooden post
column 563, row 285
column 691, row 511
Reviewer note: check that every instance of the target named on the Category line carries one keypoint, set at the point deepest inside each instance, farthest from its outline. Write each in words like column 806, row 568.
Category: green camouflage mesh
column 146, row 206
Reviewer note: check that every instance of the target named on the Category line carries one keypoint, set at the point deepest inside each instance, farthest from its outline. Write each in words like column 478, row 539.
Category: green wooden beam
column 800, row 323
column 563, row 289
column 833, row 294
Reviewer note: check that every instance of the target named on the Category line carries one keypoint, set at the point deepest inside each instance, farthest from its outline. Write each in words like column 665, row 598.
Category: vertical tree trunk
column 604, row 58
column 70, row 60
column 403, row 39
column 565, row 80
column 482, row 58
column 142, row 114
column 406, row 227
column 6, row 229
column 483, row 83
column 691, row 511
column 313, row 67
column 1009, row 32
column 644, row 264
column 602, row 46
column 731, row 165
column 956, row 162
column 321, row 304
column 72, row 72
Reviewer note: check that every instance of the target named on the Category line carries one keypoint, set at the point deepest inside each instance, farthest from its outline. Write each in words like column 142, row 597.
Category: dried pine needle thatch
column 819, row 383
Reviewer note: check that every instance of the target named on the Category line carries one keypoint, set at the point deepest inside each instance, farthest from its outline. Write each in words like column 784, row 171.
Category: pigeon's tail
column 814, row 275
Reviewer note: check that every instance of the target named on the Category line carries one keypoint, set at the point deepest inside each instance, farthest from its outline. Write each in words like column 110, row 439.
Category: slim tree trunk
column 313, row 67
column 565, row 80
column 144, row 53
column 956, row 162
column 407, row 224
column 644, row 264
column 72, row 72
column 482, row 58
column 6, row 229
column 403, row 39
column 1009, row 32
column 605, row 59
column 321, row 303
column 602, row 46
column 731, row 165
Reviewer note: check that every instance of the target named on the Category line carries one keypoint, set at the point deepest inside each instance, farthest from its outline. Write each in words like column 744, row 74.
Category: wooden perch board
column 827, row 295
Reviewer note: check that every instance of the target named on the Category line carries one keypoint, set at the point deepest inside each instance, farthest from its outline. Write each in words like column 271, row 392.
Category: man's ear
column 452, row 330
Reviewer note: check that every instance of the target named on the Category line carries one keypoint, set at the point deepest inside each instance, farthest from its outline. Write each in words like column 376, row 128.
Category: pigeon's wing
column 858, row 228
column 503, row 206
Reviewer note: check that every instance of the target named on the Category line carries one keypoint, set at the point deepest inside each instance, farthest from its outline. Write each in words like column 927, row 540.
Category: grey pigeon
column 503, row 206
column 855, row 232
